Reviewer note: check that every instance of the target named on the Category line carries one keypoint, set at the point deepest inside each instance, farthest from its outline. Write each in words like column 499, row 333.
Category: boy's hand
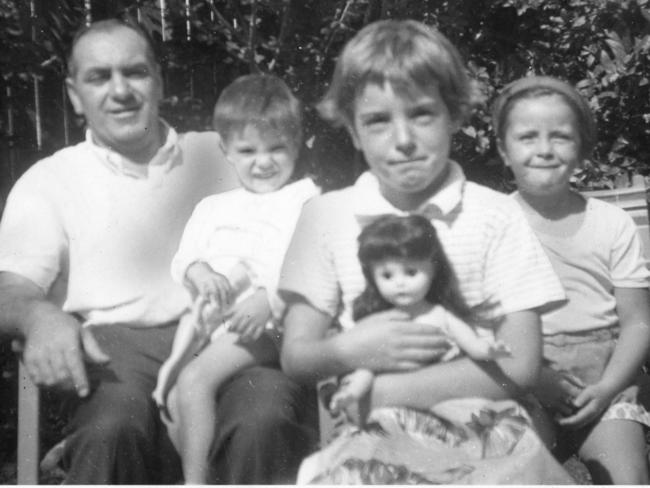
column 590, row 403
column 210, row 284
column 249, row 318
column 390, row 341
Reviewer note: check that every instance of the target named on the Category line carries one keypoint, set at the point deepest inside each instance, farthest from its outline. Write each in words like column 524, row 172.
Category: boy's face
column 541, row 144
column 263, row 160
column 406, row 141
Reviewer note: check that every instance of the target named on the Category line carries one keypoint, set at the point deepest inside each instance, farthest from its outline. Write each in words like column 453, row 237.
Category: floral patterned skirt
column 463, row 441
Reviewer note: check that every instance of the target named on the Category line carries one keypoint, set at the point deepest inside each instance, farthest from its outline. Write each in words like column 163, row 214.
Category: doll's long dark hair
column 410, row 237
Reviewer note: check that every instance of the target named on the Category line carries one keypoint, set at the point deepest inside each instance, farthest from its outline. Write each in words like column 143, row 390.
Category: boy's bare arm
column 506, row 377
column 55, row 345
column 386, row 341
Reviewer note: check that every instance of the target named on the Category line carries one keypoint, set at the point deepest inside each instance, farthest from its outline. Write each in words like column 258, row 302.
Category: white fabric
column 492, row 249
column 604, row 253
column 97, row 232
column 244, row 227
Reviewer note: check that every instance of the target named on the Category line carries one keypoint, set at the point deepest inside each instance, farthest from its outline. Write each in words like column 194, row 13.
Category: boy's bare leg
column 195, row 395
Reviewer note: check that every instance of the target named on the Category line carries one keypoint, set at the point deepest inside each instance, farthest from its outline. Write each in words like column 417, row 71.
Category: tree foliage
column 601, row 46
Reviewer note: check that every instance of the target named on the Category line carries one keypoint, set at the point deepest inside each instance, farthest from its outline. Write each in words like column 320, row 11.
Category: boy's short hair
column 261, row 100
column 408, row 55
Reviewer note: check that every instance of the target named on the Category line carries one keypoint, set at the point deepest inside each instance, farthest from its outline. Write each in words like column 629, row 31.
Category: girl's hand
column 557, row 392
column 389, row 341
column 210, row 284
column 249, row 318
column 590, row 402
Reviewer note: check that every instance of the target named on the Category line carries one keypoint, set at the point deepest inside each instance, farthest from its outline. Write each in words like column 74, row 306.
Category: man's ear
column 72, row 95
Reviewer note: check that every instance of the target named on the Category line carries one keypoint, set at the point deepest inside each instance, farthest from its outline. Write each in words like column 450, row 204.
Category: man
column 86, row 241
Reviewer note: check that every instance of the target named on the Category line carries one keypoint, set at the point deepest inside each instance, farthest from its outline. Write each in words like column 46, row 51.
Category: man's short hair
column 107, row 26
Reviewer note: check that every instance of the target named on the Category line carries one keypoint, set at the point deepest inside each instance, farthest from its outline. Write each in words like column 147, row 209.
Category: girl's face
column 403, row 282
column 541, row 144
column 405, row 140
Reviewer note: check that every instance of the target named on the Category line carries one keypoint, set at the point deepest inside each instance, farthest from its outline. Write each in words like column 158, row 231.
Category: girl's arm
column 506, row 377
column 633, row 307
column 380, row 342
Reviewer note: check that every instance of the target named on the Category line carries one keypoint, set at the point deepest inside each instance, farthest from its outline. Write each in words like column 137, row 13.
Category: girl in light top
column 229, row 258
column 596, row 343
column 406, row 268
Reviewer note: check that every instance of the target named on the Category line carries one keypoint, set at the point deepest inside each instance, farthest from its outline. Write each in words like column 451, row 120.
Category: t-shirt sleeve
column 308, row 269
column 627, row 257
column 33, row 241
column 518, row 274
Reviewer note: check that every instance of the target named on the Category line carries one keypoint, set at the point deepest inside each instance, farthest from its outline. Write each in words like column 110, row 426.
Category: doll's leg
column 615, row 453
column 196, row 390
column 183, row 348
column 352, row 389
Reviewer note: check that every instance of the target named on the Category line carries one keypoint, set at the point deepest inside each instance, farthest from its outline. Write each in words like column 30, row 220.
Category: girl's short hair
column 408, row 55
column 406, row 237
column 540, row 86
column 262, row 100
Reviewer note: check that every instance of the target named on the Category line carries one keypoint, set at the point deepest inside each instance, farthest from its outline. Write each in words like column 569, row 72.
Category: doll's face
column 403, row 282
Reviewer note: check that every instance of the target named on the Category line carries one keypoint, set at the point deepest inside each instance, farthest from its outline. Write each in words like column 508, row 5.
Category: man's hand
column 210, row 284
column 249, row 318
column 55, row 350
column 389, row 341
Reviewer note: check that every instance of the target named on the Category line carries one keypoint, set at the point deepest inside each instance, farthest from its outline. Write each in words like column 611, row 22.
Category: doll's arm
column 479, row 348
column 352, row 389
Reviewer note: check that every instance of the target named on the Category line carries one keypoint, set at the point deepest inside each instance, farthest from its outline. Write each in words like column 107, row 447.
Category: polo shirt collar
column 369, row 202
column 166, row 157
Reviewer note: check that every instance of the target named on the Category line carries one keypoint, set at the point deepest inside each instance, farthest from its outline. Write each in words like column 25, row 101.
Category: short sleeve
column 627, row 259
column 33, row 241
column 518, row 274
column 308, row 269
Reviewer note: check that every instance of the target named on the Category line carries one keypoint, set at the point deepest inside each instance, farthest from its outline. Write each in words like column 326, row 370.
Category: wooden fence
column 36, row 117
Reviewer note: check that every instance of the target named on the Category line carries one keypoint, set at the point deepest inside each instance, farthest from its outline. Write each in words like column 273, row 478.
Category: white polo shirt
column 493, row 251
column 97, row 232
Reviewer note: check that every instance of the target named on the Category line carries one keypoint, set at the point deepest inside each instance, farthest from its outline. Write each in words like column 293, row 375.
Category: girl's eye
column 411, row 271
column 375, row 122
column 245, row 150
column 387, row 275
column 97, row 77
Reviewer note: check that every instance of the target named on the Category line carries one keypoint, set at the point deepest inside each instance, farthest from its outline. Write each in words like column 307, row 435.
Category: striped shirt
column 493, row 251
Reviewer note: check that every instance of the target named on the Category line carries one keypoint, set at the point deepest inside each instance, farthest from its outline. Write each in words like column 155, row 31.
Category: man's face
column 116, row 86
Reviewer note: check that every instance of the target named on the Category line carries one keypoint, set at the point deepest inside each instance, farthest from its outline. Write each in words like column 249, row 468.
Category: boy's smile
column 405, row 141
column 264, row 161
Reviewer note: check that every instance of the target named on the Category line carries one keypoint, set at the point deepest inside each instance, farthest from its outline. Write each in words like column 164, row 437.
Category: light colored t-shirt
column 493, row 251
column 244, row 227
column 97, row 232
column 604, row 253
